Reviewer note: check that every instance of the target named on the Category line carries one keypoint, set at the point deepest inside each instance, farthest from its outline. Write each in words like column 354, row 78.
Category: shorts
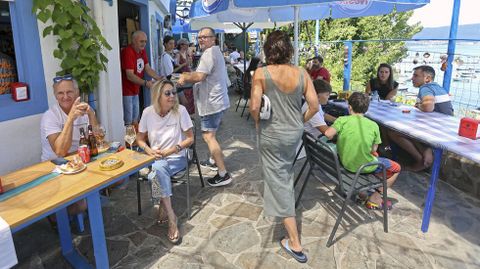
column 131, row 109
column 210, row 123
column 391, row 167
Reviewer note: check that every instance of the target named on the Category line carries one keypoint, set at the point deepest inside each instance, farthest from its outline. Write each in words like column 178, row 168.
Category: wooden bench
column 323, row 160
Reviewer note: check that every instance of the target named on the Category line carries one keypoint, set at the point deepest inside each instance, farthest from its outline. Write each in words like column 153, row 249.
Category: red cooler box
column 19, row 91
column 469, row 128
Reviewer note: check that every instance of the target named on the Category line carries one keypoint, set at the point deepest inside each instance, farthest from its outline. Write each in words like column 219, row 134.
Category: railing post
column 347, row 65
column 447, row 78
column 317, row 34
column 296, row 11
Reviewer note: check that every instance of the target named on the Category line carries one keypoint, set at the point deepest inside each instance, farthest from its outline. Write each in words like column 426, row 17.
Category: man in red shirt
column 134, row 63
column 316, row 69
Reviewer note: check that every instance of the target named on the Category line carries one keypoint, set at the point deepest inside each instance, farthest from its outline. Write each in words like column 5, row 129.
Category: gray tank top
column 286, row 110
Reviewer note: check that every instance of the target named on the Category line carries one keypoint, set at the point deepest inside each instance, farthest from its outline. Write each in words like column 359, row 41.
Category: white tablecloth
column 436, row 129
column 8, row 256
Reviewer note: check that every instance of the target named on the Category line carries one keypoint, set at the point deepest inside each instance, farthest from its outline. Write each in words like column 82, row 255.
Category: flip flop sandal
column 177, row 240
column 375, row 206
column 297, row 255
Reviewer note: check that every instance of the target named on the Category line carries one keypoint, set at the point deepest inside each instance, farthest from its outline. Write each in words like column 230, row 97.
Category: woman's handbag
column 265, row 108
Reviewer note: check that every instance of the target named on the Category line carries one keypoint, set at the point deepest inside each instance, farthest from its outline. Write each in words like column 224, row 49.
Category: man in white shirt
column 60, row 125
column 211, row 98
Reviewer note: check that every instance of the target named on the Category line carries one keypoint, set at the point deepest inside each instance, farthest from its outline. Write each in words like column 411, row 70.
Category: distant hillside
column 464, row 31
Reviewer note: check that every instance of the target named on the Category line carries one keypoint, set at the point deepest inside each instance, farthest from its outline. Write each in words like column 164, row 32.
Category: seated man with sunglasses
column 60, row 125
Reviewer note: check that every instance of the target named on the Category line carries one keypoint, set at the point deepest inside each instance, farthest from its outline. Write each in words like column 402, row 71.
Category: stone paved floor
column 227, row 229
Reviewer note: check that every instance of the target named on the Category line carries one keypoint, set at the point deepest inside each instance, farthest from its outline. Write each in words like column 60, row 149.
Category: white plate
column 72, row 172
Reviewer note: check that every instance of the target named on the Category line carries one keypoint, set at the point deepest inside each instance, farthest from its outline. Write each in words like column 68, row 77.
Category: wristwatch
column 178, row 147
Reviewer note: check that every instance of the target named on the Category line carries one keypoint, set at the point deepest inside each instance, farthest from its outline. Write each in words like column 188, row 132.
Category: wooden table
column 438, row 130
column 55, row 195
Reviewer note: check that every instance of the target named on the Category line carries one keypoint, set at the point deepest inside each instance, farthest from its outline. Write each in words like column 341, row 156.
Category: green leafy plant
column 80, row 41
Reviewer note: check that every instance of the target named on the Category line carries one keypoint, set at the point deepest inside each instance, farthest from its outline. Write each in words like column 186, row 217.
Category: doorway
column 133, row 16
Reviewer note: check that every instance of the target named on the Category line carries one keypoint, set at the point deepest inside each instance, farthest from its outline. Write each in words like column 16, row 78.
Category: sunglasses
column 204, row 37
column 61, row 78
column 168, row 93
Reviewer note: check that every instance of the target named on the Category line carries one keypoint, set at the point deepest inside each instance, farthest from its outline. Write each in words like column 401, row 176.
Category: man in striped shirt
column 431, row 98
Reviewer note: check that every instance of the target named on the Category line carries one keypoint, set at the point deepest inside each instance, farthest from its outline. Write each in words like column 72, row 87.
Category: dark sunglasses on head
column 61, row 78
column 168, row 93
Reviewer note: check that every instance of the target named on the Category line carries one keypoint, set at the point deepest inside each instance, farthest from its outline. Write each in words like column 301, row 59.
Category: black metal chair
column 322, row 159
column 181, row 177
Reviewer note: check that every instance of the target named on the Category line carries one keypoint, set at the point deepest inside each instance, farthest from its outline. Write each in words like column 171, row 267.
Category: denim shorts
column 131, row 110
column 210, row 123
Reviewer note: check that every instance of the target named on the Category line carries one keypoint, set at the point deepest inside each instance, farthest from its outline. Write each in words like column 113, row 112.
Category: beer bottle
column 83, row 138
column 92, row 141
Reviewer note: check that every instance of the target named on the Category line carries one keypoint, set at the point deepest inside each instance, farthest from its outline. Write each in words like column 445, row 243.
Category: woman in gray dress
column 284, row 84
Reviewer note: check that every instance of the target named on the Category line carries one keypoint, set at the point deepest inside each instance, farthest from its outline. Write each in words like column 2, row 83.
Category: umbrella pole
column 295, row 36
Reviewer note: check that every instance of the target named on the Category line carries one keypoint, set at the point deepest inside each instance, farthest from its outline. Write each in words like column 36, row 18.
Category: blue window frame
column 29, row 64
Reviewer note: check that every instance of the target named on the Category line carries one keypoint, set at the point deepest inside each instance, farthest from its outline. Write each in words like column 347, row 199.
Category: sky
column 439, row 13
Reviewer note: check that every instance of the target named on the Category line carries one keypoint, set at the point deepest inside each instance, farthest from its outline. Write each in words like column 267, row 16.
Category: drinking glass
column 130, row 135
column 99, row 133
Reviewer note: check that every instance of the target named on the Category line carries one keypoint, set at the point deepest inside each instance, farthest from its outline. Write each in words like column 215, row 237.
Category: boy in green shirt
column 357, row 143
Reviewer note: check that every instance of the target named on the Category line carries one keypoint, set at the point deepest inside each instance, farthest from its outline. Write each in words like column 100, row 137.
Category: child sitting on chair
column 357, row 143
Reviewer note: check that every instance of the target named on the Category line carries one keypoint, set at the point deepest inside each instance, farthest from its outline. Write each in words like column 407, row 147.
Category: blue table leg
column 63, row 224
column 437, row 159
column 70, row 254
column 98, row 234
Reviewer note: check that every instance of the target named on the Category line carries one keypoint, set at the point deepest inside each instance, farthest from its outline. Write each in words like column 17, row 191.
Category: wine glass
column 130, row 135
column 99, row 133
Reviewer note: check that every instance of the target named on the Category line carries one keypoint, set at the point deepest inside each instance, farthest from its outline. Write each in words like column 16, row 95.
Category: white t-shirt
column 211, row 94
column 166, row 65
column 317, row 120
column 165, row 132
column 52, row 122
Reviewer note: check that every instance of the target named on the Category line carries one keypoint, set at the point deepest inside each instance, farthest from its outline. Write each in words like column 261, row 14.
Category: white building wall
column 109, row 103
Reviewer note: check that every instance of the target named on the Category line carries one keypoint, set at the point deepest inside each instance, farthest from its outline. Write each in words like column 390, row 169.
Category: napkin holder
column 469, row 128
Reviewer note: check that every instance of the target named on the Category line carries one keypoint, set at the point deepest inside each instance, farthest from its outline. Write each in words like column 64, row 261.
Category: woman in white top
column 167, row 127
column 167, row 62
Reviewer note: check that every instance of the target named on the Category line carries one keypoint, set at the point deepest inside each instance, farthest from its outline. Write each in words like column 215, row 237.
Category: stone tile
column 241, row 210
column 137, row 238
column 117, row 249
column 118, row 225
column 217, row 260
column 202, row 216
column 233, row 239
column 200, row 231
column 221, row 223
column 270, row 235
column 264, row 260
